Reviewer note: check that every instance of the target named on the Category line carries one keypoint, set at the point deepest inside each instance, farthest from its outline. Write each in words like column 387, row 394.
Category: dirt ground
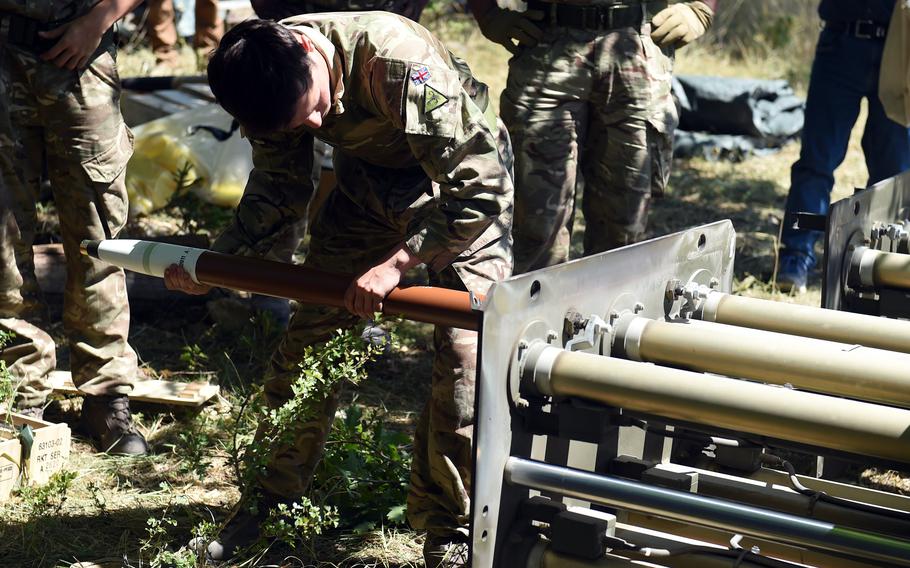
column 111, row 513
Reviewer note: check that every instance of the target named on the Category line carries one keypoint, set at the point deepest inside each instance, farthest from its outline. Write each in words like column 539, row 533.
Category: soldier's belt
column 598, row 17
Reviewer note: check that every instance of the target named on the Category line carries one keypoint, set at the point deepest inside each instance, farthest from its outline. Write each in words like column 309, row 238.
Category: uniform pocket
column 111, row 160
column 660, row 154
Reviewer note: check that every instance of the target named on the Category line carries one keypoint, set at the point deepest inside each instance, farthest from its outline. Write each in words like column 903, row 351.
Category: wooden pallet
column 150, row 390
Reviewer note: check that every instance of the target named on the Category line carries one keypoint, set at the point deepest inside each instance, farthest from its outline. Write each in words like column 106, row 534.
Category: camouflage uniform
column 278, row 9
column 162, row 28
column 417, row 161
column 598, row 99
column 70, row 121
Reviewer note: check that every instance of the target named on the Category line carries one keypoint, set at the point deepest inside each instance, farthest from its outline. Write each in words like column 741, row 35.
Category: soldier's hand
column 680, row 24
column 176, row 278
column 503, row 26
column 365, row 294
column 78, row 40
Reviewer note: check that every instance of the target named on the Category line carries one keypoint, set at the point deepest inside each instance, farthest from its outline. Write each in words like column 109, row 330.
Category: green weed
column 48, row 499
column 365, row 470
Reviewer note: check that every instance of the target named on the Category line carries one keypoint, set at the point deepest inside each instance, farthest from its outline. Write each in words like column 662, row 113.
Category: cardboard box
column 50, row 449
column 10, row 456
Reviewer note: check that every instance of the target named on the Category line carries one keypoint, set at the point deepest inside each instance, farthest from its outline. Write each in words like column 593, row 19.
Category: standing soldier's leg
column 629, row 149
column 544, row 106
column 162, row 29
column 29, row 352
column 290, row 468
column 439, row 497
column 209, row 27
column 88, row 146
column 343, row 239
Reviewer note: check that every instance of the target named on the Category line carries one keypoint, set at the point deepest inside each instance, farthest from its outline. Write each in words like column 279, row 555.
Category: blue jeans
column 844, row 71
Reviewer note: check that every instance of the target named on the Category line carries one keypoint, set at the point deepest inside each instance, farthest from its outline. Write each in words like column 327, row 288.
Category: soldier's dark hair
column 258, row 74
column 277, row 9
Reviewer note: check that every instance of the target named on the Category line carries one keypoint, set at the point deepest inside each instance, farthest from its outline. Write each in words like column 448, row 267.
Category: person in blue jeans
column 845, row 70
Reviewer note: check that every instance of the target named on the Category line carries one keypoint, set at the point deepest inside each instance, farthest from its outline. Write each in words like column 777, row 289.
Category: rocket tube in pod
column 847, row 370
column 440, row 306
column 806, row 321
column 877, row 268
column 730, row 404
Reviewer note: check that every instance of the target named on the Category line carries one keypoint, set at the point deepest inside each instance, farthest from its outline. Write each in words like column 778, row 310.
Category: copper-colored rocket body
column 429, row 304
column 440, row 306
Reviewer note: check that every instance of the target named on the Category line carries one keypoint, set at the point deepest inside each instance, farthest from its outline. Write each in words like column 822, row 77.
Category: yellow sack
column 171, row 150
column 894, row 76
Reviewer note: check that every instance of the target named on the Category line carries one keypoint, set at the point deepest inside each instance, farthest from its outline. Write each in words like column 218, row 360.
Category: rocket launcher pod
column 878, row 269
column 823, row 366
column 806, row 321
column 429, row 304
column 731, row 404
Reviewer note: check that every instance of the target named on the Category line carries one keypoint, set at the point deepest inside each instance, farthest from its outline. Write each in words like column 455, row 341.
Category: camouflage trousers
column 350, row 235
column 70, row 122
column 598, row 100
column 162, row 27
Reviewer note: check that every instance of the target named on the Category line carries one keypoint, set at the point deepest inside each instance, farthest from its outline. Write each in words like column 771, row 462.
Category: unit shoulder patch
column 432, row 99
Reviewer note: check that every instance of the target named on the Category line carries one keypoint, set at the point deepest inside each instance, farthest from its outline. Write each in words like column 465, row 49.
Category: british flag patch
column 420, row 75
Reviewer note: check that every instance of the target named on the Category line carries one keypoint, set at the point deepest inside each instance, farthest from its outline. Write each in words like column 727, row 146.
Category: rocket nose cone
column 89, row 248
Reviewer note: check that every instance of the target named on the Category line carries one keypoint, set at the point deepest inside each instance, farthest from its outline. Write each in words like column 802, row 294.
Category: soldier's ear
column 306, row 42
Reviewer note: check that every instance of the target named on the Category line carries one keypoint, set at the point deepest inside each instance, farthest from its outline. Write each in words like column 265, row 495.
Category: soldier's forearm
column 711, row 4
column 106, row 12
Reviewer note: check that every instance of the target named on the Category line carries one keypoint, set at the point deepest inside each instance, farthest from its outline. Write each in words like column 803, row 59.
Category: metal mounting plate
column 850, row 222
column 538, row 301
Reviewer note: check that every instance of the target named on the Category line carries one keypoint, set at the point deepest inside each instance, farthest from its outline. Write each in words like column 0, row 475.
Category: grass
column 105, row 509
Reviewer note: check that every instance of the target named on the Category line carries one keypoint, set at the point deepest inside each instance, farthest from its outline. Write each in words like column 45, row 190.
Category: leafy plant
column 343, row 358
column 8, row 386
column 193, row 357
column 47, row 499
column 323, row 368
column 194, row 443
column 365, row 470
column 156, row 545
column 299, row 521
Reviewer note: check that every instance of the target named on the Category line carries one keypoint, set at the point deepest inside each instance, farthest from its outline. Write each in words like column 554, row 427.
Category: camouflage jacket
column 399, row 99
column 278, row 9
column 46, row 10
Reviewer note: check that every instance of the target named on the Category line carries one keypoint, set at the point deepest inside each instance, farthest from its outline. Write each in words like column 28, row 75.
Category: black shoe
column 242, row 531
column 108, row 422
column 445, row 551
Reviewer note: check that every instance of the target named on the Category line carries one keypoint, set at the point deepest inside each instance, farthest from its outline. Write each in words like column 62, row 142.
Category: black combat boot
column 445, row 551
column 107, row 421
column 241, row 531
